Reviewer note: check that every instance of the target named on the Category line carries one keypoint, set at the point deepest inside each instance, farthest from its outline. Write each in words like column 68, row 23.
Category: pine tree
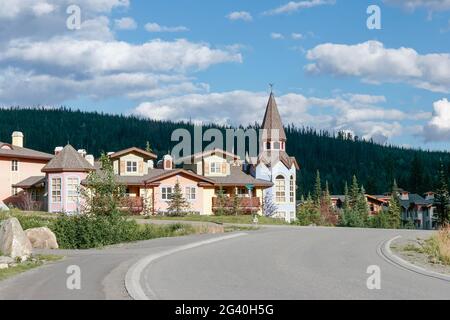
column 395, row 210
column 354, row 192
column 416, row 177
column 442, row 198
column 148, row 148
column 317, row 189
column 177, row 205
column 269, row 207
column 237, row 207
column 221, row 202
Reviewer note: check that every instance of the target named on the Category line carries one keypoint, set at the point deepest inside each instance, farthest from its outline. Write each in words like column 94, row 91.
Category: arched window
column 292, row 190
column 280, row 189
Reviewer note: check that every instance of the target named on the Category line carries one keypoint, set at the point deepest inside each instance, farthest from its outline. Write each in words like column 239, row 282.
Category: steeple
column 274, row 136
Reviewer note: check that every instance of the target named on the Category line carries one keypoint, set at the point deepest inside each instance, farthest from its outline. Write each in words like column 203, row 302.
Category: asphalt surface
column 272, row 263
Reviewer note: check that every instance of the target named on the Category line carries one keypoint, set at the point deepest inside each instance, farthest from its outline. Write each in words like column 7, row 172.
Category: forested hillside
column 338, row 158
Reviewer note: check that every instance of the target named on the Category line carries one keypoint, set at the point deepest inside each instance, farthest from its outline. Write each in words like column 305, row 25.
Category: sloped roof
column 30, row 182
column 272, row 120
column 68, row 160
column 415, row 199
column 200, row 155
column 239, row 178
column 135, row 150
column 270, row 157
column 22, row 153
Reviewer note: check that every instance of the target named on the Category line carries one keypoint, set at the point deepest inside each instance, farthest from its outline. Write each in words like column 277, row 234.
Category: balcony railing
column 246, row 204
column 133, row 204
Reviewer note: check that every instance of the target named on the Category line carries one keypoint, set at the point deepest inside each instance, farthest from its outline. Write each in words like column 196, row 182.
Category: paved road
column 273, row 263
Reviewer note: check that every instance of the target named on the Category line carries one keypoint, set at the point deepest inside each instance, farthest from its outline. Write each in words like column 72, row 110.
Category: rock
column 6, row 260
column 13, row 240
column 3, row 266
column 3, row 207
column 42, row 238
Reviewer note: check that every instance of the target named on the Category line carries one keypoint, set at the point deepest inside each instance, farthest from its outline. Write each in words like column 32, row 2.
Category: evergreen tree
column 237, row 205
column 317, row 189
column 442, row 198
column 354, row 192
column 178, row 206
column 395, row 209
column 416, row 177
column 221, row 199
column 269, row 207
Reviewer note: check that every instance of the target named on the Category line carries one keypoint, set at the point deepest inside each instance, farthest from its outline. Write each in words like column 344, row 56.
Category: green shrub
column 84, row 231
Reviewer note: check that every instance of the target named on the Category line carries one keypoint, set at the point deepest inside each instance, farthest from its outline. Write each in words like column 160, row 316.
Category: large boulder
column 3, row 207
column 13, row 240
column 42, row 238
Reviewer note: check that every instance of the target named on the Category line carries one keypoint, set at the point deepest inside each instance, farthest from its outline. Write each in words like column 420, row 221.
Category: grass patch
column 28, row 219
column 438, row 246
column 38, row 261
column 233, row 228
column 412, row 248
column 241, row 219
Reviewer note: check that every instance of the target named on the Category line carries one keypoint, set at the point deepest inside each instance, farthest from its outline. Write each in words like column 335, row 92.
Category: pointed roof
column 272, row 120
column 68, row 160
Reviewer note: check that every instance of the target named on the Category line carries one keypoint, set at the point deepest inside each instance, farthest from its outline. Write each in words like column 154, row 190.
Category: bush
column 89, row 231
column 438, row 246
column 27, row 221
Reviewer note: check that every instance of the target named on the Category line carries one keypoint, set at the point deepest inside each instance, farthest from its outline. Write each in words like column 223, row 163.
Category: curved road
column 272, row 263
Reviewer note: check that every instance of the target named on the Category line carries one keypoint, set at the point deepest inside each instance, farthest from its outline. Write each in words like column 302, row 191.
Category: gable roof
column 135, row 150
column 267, row 157
column 204, row 154
column 22, row 153
column 272, row 120
column 68, row 160
column 169, row 173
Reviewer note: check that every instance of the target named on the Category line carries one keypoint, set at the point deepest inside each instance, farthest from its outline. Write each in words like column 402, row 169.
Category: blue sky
column 212, row 61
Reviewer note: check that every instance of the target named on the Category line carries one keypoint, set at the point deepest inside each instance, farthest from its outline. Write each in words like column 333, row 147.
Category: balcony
column 134, row 204
column 247, row 205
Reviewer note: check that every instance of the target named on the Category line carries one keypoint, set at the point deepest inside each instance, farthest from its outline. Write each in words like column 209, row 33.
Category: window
column 276, row 145
column 14, row 165
column 216, row 167
column 72, row 189
column 292, row 190
column 190, row 193
column 280, row 189
column 166, row 193
column 131, row 166
column 56, row 189
column 267, row 145
column 34, row 195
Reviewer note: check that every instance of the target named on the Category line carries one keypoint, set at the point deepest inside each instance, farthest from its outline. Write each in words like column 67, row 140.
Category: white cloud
column 240, row 15
column 377, row 64
column 438, row 128
column 12, row 9
column 125, row 23
column 434, row 5
column 357, row 113
column 294, row 6
column 154, row 27
column 93, row 56
column 297, row 36
column 276, row 36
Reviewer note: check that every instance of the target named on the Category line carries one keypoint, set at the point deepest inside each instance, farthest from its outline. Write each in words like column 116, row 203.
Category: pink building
column 64, row 174
column 17, row 164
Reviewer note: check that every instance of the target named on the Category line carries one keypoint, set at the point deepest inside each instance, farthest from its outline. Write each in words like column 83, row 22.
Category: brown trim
column 133, row 149
column 179, row 171
column 57, row 170
column 44, row 159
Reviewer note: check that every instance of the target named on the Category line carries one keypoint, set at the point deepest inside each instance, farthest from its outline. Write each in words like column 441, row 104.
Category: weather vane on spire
column 271, row 87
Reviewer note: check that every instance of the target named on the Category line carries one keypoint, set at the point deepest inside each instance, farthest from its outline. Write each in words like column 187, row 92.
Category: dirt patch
column 412, row 251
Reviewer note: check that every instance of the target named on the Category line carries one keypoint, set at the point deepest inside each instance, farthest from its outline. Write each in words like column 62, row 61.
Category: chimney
column 110, row 153
column 90, row 158
column 150, row 164
column 58, row 150
column 82, row 152
column 17, row 139
column 167, row 162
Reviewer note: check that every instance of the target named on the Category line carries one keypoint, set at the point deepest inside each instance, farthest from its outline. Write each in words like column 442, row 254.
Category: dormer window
column 216, row 167
column 131, row 166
